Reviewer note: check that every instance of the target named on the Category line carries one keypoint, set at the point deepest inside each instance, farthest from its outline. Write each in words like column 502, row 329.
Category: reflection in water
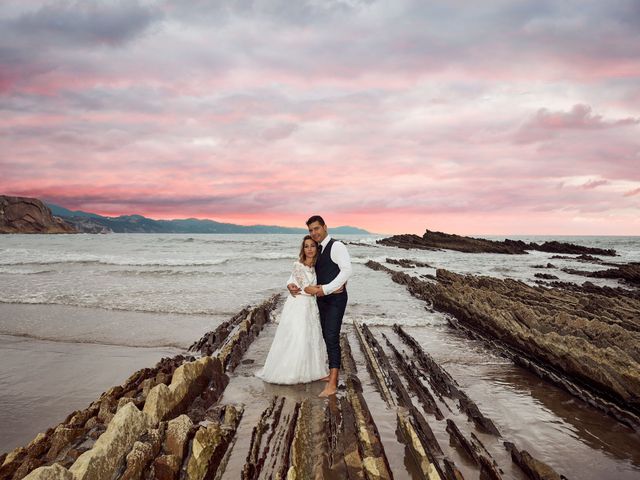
column 557, row 428
column 582, row 422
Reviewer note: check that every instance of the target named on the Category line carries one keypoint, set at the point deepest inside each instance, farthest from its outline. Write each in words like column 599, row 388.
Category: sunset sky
column 491, row 117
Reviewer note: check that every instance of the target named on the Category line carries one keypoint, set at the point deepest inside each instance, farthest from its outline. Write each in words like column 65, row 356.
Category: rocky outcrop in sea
column 439, row 240
column 628, row 273
column 587, row 342
column 29, row 215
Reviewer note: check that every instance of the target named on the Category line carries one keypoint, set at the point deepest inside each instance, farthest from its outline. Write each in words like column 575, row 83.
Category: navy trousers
column 332, row 309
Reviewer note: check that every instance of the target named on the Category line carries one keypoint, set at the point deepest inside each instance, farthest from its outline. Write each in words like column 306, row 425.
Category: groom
column 333, row 269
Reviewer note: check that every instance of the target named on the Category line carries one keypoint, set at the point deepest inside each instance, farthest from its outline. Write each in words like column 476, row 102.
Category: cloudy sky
column 492, row 117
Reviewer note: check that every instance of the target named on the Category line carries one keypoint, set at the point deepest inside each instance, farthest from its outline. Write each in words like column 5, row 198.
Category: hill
column 93, row 223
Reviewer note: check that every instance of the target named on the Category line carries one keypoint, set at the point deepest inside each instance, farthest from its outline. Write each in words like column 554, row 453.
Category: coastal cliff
column 29, row 215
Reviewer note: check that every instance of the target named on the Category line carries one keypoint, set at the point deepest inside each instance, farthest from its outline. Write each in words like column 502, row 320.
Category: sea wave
column 380, row 321
column 151, row 263
column 205, row 240
column 137, row 344
column 69, row 302
column 121, row 263
column 18, row 271
column 174, row 273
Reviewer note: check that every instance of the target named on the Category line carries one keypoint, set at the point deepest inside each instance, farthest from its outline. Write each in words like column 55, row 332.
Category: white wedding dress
column 298, row 353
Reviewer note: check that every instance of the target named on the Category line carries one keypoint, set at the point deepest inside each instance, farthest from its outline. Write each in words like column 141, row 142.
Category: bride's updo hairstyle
column 302, row 255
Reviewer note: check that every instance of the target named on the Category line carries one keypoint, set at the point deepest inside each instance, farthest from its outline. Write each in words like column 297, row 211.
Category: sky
column 489, row 118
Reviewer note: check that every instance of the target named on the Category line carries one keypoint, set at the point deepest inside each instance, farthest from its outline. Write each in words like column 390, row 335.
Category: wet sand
column 81, row 353
column 103, row 326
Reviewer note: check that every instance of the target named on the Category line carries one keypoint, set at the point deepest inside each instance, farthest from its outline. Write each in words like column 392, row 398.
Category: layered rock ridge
column 587, row 342
column 439, row 240
column 163, row 422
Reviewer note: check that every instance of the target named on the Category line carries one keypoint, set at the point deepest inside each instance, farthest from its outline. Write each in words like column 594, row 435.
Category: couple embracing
column 308, row 334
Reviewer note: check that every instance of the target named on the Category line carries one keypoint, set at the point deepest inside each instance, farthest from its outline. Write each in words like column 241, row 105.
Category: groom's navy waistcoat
column 326, row 269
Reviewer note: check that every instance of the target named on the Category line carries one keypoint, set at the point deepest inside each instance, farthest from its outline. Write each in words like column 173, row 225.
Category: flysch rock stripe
column 163, row 402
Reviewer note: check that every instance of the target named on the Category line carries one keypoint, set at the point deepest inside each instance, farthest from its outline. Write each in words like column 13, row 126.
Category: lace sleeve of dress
column 299, row 275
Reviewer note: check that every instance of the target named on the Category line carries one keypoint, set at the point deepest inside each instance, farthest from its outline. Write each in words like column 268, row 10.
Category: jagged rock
column 194, row 390
column 109, row 451
column 167, row 467
column 61, row 438
column 92, row 423
column 29, row 215
column 137, row 460
column 28, row 464
column 123, row 401
column 301, row 463
column 109, row 404
column 406, row 263
column 39, row 445
column 266, row 448
column 629, row 273
column 546, row 276
column 210, row 444
column 177, row 436
column 374, row 458
column 561, row 247
column 406, row 241
column 587, row 343
column 80, row 417
column 12, row 462
column 211, row 341
column 427, row 466
column 535, row 469
column 439, row 240
column 487, row 467
column 53, row 472
column 411, row 372
column 188, row 381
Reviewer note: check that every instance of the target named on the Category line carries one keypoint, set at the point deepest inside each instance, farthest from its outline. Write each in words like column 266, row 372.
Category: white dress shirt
column 339, row 256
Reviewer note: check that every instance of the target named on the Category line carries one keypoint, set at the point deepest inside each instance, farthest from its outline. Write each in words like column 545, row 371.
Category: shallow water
column 97, row 307
column 41, row 382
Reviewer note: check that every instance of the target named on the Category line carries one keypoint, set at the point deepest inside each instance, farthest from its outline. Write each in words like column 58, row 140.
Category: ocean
column 79, row 313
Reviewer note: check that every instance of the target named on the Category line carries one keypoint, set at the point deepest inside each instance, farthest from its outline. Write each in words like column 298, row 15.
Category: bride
column 298, row 353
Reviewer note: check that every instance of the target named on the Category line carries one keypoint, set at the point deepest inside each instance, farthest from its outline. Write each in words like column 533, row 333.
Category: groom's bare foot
column 328, row 391
column 326, row 379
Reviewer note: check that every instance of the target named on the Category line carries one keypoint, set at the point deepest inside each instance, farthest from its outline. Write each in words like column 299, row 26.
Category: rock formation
column 439, row 240
column 629, row 273
column 29, row 215
column 169, row 422
column 406, row 263
column 589, row 343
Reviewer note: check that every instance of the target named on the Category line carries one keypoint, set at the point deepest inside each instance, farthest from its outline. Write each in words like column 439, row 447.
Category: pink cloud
column 591, row 184
column 546, row 124
column 395, row 118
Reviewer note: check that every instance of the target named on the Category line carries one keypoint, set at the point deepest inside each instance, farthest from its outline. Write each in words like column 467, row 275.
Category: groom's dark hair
column 315, row 218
